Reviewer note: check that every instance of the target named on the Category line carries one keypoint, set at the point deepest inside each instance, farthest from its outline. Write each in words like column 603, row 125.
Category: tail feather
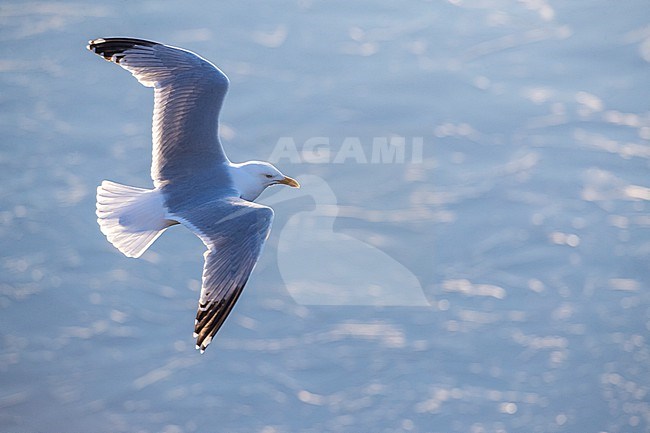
column 131, row 218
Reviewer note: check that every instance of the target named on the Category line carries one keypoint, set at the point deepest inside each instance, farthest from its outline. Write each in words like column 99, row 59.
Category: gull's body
column 194, row 182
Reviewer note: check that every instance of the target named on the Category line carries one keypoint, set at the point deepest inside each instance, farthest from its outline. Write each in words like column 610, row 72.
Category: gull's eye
column 268, row 176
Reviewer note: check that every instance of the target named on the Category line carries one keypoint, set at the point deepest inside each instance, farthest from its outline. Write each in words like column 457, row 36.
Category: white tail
column 131, row 218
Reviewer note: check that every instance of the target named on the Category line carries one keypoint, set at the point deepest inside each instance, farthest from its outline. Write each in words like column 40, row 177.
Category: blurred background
column 526, row 222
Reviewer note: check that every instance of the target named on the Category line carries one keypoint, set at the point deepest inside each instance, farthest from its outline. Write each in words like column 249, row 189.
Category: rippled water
column 525, row 224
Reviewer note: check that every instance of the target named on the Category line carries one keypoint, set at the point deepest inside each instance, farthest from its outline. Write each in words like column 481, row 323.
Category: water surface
column 525, row 223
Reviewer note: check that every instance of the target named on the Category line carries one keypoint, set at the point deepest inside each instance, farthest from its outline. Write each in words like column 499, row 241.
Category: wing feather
column 234, row 231
column 188, row 95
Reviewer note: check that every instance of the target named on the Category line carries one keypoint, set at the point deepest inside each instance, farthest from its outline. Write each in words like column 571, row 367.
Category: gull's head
column 253, row 177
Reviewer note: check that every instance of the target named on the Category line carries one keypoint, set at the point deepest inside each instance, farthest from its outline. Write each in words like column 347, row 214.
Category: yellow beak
column 293, row 183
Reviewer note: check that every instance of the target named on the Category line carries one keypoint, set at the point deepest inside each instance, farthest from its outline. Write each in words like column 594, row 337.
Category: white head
column 252, row 177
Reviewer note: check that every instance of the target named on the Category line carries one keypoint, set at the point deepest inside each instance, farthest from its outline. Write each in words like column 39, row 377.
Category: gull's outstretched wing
column 234, row 231
column 189, row 92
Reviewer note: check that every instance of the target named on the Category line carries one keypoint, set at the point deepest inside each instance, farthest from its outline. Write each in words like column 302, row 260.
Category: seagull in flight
column 194, row 182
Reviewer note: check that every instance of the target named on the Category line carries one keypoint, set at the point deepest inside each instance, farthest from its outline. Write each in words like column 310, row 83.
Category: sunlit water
column 526, row 223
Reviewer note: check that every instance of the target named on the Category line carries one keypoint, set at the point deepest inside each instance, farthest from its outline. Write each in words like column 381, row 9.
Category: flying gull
column 195, row 184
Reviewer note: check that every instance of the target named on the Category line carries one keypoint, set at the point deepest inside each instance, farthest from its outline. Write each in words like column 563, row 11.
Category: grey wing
column 188, row 94
column 234, row 231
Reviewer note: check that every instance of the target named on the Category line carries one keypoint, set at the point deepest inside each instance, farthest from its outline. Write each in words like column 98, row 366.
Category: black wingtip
column 109, row 47
column 210, row 318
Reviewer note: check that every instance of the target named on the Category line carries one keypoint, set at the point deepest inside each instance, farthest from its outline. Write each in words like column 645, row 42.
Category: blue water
column 526, row 223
